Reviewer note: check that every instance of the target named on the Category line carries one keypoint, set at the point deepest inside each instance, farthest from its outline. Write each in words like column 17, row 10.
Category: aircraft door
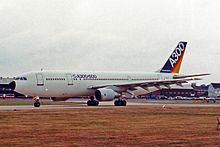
column 40, row 79
column 69, row 79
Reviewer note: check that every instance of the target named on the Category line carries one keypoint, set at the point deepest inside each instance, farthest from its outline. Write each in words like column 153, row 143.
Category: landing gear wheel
column 124, row 102
column 92, row 103
column 37, row 101
column 120, row 102
column 37, row 104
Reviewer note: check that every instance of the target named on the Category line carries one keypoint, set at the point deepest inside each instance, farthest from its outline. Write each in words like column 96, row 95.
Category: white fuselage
column 74, row 84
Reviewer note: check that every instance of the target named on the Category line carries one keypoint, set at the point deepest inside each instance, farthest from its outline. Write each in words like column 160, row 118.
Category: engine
column 59, row 99
column 104, row 94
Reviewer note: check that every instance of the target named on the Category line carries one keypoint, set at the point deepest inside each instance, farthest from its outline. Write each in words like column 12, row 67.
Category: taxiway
column 132, row 104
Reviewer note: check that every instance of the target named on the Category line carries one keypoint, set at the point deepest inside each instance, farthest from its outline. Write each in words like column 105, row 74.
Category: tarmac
column 110, row 104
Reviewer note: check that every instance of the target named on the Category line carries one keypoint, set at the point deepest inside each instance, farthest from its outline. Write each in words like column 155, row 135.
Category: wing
column 145, row 84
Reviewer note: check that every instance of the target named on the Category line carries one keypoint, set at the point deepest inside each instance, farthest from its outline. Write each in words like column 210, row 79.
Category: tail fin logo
column 177, row 54
column 173, row 64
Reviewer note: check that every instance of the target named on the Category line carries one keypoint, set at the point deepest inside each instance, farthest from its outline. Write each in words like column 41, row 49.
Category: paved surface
column 133, row 103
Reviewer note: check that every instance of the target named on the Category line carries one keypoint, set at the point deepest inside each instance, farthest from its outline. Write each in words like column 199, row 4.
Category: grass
column 129, row 126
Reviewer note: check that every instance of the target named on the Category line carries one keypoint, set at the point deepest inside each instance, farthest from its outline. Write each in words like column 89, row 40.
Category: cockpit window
column 21, row 78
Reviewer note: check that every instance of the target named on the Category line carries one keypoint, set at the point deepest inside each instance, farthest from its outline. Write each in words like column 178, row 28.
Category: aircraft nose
column 12, row 85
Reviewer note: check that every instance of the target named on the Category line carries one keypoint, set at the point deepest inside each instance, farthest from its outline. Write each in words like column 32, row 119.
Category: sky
column 108, row 35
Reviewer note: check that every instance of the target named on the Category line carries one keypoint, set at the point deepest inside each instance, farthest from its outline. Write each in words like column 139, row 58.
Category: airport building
column 5, row 90
column 214, row 90
column 201, row 91
column 185, row 91
column 6, row 80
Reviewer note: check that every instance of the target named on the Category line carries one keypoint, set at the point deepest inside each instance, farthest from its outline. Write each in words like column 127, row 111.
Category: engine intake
column 104, row 94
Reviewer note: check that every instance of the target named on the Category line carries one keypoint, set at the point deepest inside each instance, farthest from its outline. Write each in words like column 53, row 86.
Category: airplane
column 102, row 86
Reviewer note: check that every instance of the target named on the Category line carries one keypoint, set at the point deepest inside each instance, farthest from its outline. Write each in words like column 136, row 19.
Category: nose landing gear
column 37, row 102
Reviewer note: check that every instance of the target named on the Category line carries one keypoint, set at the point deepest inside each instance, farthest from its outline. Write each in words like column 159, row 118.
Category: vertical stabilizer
column 174, row 62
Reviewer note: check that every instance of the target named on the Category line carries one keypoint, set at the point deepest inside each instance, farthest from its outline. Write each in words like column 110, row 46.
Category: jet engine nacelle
column 59, row 99
column 104, row 94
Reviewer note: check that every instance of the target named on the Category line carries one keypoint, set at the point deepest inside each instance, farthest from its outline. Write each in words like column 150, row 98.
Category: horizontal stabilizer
column 189, row 76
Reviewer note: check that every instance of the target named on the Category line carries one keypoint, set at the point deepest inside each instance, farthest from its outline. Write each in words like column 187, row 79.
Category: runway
column 162, row 104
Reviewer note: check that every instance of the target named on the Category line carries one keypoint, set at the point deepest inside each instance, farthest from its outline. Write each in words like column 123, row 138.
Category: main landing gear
column 37, row 102
column 92, row 102
column 120, row 102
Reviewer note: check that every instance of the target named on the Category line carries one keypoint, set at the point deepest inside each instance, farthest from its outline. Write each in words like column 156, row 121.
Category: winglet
column 174, row 62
